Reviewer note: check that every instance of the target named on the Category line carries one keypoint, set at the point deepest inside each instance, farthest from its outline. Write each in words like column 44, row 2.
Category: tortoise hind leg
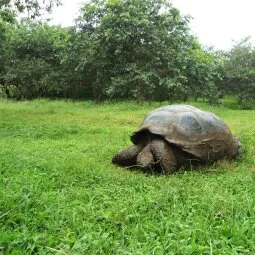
column 164, row 156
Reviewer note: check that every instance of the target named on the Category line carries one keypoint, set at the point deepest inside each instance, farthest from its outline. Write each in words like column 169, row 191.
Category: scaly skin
column 155, row 152
column 145, row 158
column 164, row 154
column 127, row 157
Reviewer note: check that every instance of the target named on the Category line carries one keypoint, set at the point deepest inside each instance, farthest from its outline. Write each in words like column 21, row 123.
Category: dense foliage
column 140, row 49
column 34, row 61
column 239, row 78
column 33, row 8
column 137, row 48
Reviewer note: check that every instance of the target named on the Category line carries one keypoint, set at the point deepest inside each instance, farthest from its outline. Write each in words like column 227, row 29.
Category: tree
column 204, row 73
column 6, row 19
column 34, row 63
column 133, row 48
column 239, row 67
column 9, row 9
column 33, row 8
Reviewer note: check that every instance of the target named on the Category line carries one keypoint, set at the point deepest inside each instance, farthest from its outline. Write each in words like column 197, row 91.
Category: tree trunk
column 139, row 92
column 97, row 95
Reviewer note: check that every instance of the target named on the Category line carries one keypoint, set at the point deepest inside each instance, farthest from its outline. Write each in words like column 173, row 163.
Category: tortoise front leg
column 127, row 157
column 145, row 159
column 164, row 156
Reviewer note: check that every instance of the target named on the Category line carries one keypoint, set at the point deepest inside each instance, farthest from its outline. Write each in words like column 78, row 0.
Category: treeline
column 118, row 49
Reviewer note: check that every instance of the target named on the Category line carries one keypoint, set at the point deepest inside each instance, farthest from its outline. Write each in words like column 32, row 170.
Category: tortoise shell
column 199, row 133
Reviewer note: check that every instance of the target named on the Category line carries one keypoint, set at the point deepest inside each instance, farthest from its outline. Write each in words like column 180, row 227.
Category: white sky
column 215, row 22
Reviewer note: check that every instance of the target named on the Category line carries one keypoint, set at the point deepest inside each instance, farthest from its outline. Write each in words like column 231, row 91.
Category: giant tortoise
column 176, row 135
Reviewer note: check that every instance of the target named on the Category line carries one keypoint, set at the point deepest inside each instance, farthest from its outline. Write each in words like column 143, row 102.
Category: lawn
column 60, row 194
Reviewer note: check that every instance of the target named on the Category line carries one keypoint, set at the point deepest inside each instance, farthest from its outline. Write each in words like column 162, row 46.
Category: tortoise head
column 236, row 149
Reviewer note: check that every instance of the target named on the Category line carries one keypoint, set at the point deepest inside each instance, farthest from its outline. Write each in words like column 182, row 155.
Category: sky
column 216, row 23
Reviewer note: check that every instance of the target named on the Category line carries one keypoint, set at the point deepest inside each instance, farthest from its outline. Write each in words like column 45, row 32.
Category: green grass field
column 60, row 194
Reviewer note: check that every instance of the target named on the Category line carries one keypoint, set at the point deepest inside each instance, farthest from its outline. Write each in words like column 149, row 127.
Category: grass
column 60, row 194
